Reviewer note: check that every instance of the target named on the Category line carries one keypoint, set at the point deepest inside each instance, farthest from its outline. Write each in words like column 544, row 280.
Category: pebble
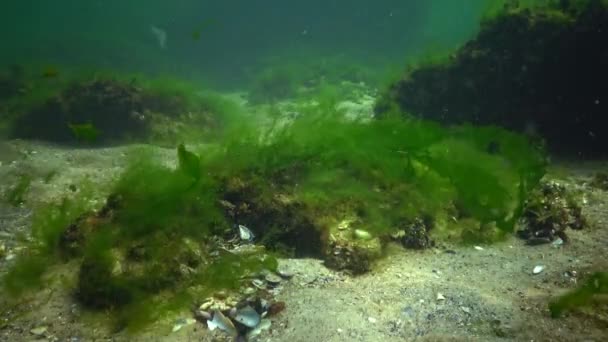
column 440, row 297
column 538, row 269
column 478, row 248
column 39, row 331
column 372, row 320
column 249, row 291
column 466, row 309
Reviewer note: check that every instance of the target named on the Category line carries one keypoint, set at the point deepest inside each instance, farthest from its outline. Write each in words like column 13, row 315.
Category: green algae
column 150, row 243
column 588, row 293
column 16, row 195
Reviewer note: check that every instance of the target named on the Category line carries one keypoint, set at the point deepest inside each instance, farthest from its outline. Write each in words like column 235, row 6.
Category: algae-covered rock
column 549, row 211
column 12, row 82
column 356, row 256
column 600, row 181
column 350, row 248
column 115, row 109
column 532, row 69
column 414, row 235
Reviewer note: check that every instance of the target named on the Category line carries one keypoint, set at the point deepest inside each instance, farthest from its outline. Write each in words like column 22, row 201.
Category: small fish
column 50, row 72
column 85, row 132
column 493, row 147
column 197, row 32
column 161, row 36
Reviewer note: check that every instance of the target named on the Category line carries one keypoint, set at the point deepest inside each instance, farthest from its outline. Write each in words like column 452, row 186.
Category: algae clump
column 586, row 294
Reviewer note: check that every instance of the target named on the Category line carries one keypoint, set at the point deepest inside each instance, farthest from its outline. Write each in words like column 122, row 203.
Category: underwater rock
column 113, row 108
column 415, row 235
column 100, row 111
column 12, row 82
column 600, row 181
column 549, row 210
column 292, row 229
column 544, row 60
column 354, row 256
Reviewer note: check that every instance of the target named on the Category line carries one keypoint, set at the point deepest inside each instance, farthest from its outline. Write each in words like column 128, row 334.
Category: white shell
column 222, row 322
column 362, row 234
column 245, row 233
column 248, row 317
column 478, row 248
column 538, row 269
column 440, row 296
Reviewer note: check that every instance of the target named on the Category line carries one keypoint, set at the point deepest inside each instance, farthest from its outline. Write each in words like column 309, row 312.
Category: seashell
column 222, row 322
column 273, row 279
column 538, row 269
column 258, row 283
column 202, row 315
column 264, row 325
column 245, row 233
column 206, row 305
column 248, row 317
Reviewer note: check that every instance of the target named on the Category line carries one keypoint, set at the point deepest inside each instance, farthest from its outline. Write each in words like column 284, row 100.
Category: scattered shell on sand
column 248, row 317
column 222, row 322
column 538, row 269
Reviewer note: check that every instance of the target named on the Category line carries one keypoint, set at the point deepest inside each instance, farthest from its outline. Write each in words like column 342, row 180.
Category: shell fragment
column 222, row 322
column 245, row 233
column 538, row 269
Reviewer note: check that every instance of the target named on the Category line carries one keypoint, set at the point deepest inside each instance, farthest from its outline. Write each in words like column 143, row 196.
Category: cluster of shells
column 245, row 314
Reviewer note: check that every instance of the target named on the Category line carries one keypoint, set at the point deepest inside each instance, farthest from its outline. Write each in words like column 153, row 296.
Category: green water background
column 223, row 41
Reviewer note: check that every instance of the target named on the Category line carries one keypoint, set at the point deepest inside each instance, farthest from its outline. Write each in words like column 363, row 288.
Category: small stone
column 202, row 315
column 258, row 283
column 39, row 331
column 538, row 269
column 372, row 320
column 408, row 311
column 466, row 309
column 249, row 291
column 440, row 297
column 340, row 331
column 206, row 305
column 478, row 248
column 273, row 279
column 362, row 234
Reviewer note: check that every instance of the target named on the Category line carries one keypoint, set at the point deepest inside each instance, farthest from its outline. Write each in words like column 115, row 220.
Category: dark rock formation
column 541, row 71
